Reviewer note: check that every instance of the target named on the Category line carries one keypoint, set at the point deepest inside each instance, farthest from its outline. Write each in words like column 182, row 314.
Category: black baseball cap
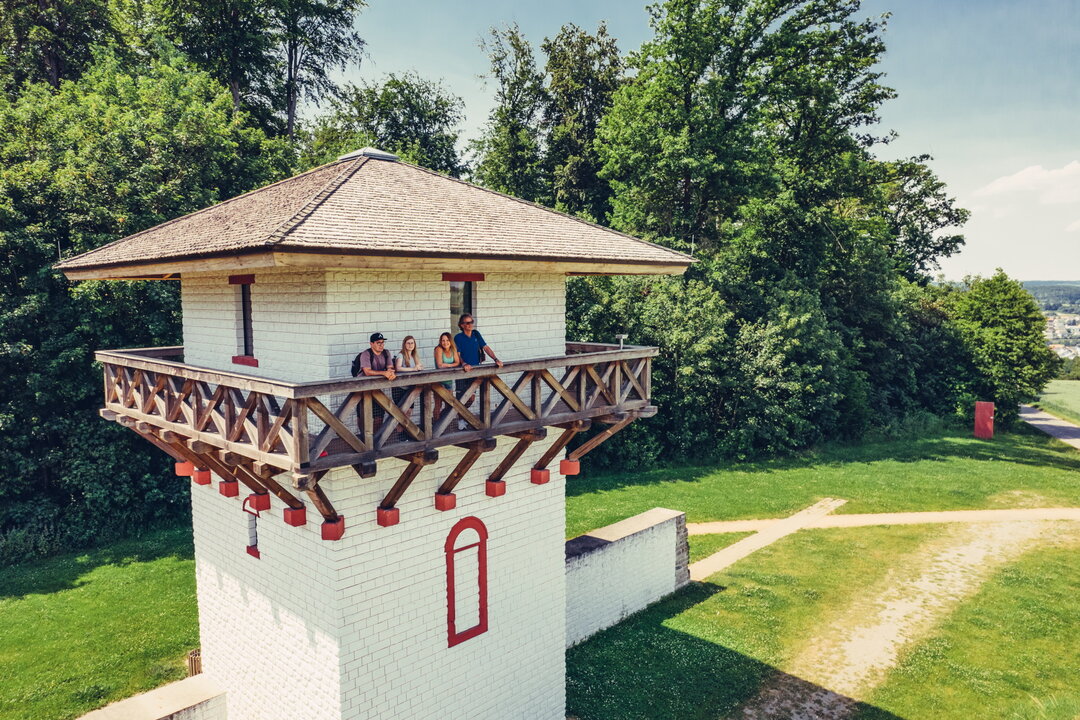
column 376, row 336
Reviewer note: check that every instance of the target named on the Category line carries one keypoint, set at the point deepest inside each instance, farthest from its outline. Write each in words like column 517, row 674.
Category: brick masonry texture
column 357, row 628
column 617, row 570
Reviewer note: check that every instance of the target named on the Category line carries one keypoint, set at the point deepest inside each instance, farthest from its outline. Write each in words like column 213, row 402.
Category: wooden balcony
column 255, row 428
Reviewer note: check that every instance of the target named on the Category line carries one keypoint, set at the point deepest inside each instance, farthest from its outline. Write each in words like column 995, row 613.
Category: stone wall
column 617, row 570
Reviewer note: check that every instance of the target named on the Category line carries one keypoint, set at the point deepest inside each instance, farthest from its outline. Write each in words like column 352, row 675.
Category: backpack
column 356, row 360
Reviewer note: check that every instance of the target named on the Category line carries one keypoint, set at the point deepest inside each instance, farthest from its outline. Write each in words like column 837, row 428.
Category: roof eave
column 306, row 257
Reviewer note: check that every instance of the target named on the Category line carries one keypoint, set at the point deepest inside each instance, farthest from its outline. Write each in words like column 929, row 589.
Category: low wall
column 617, row 570
column 194, row 698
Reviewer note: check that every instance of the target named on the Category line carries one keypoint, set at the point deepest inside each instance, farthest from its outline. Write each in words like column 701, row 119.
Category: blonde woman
column 407, row 361
column 446, row 357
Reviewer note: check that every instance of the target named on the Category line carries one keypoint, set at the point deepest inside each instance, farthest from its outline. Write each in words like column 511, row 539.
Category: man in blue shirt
column 471, row 346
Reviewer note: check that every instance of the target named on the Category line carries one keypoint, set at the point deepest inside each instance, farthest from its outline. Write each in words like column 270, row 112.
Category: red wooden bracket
column 241, row 279
column 445, row 501
column 388, row 516
column 184, row 469
column 259, row 501
column 495, row 488
column 333, row 530
column 253, row 551
column 295, row 516
column 229, row 488
column 569, row 467
column 201, row 477
column 245, row 360
column 539, row 477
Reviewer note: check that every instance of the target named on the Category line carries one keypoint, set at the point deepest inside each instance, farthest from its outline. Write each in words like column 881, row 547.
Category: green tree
column 583, row 73
column 1002, row 328
column 97, row 159
column 49, row 40
column 509, row 152
column 230, row 39
column 313, row 38
column 416, row 118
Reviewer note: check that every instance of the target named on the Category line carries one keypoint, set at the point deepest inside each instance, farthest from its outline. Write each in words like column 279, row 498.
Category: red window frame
column 454, row 636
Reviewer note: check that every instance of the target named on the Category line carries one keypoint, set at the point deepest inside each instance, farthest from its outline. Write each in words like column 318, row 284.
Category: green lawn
column 89, row 628
column 1062, row 398
column 945, row 471
column 1013, row 651
column 85, row 629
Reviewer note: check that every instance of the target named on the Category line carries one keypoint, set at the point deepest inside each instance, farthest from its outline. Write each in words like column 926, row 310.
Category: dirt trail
column 857, row 647
column 898, row 518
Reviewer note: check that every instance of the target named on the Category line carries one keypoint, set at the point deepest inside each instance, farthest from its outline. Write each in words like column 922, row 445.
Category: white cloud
column 1073, row 226
column 1058, row 186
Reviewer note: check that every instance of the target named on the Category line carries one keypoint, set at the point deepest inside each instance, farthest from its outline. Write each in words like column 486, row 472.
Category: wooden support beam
column 514, row 455
column 559, row 445
column 593, row 442
column 403, row 482
column 108, row 414
column 365, row 468
column 273, row 486
column 475, row 450
column 126, row 421
column 162, row 446
column 322, row 503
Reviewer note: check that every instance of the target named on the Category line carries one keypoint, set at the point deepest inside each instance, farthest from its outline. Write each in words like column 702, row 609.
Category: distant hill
column 1056, row 295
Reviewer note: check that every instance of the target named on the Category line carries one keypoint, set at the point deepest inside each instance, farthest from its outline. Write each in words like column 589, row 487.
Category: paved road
column 1063, row 430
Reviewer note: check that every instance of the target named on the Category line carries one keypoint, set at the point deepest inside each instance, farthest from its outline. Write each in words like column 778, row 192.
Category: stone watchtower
column 371, row 548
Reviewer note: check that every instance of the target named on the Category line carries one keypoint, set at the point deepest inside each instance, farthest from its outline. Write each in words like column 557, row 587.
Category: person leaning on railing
column 446, row 356
column 472, row 348
column 375, row 361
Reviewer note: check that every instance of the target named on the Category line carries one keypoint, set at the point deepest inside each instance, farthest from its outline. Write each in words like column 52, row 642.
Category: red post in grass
column 984, row 420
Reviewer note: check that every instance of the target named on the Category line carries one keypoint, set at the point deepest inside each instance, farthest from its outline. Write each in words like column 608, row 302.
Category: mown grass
column 1013, row 651
column 84, row 629
column 944, row 471
column 1062, row 398
column 707, row 649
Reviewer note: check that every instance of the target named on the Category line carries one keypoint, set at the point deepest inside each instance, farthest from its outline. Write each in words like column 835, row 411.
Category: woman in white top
column 408, row 360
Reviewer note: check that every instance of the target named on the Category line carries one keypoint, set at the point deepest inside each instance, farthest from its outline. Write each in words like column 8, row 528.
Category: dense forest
column 1055, row 296
column 744, row 132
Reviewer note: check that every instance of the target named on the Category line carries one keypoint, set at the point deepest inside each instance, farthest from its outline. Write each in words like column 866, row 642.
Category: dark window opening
column 462, row 300
column 245, row 312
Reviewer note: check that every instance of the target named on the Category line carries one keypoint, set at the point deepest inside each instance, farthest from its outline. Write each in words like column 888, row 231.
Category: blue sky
column 990, row 88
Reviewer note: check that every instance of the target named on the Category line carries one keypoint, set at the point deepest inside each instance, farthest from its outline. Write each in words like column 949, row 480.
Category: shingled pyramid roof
column 369, row 203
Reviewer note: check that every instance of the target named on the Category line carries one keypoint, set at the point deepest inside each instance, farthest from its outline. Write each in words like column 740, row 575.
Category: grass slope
column 82, row 630
column 944, row 471
column 1062, row 398
column 1013, row 651
column 707, row 649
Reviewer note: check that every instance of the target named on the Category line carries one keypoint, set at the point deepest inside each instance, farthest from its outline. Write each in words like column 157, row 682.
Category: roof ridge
column 297, row 218
column 547, row 209
column 208, row 208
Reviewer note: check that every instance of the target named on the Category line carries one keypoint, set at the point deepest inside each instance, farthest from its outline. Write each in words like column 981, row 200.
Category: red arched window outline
column 451, row 547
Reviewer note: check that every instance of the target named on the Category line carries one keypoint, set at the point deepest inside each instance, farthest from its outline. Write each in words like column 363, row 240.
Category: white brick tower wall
column 357, row 628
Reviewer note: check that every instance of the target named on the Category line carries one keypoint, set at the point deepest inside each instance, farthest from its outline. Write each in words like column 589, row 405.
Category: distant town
column 1060, row 303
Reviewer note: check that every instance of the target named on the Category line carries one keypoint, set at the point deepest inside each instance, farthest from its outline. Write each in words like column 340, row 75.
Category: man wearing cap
column 375, row 360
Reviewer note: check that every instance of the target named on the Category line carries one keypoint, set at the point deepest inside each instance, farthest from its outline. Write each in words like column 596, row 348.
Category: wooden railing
column 273, row 426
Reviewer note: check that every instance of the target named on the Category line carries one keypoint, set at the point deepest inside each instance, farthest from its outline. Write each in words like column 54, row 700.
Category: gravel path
column 852, row 653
